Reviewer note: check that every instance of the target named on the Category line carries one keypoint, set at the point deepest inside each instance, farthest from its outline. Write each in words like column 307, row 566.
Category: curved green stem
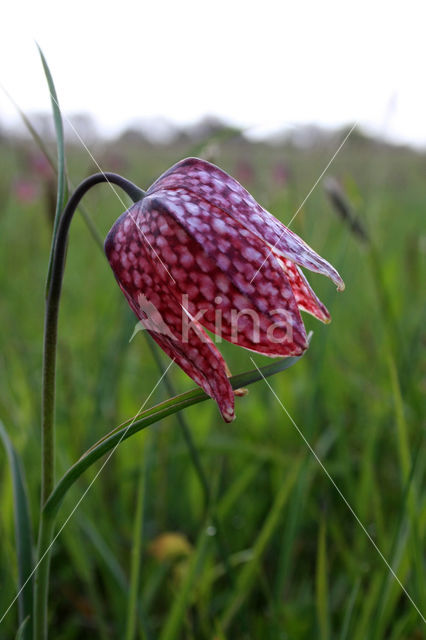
column 49, row 370
column 146, row 418
column 51, row 317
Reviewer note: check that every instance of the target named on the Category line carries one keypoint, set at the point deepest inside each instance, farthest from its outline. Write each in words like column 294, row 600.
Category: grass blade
column 401, row 552
column 349, row 611
column 20, row 634
column 136, row 554
column 238, row 487
column 148, row 417
column 23, row 535
column 408, row 481
column 83, row 567
column 322, row 584
column 293, row 518
column 106, row 556
column 248, row 573
column 60, row 145
column 401, row 424
column 177, row 612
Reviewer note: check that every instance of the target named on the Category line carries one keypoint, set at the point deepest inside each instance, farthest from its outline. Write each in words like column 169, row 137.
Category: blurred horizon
column 83, row 127
column 171, row 65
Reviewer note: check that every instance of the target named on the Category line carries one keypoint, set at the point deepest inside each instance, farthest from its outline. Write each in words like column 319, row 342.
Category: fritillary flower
column 198, row 252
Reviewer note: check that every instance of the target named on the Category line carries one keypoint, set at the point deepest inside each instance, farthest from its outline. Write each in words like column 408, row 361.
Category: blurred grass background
column 285, row 558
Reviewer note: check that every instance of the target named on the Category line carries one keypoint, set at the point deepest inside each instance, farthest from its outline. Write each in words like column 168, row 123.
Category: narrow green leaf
column 146, row 418
column 136, row 554
column 346, row 624
column 60, row 145
column 293, row 517
column 367, row 604
column 401, row 424
column 390, row 590
column 322, row 584
column 407, row 473
column 20, row 634
column 109, row 571
column 23, row 536
column 249, row 572
column 107, row 557
column 220, row 443
column 402, row 556
column 84, row 571
column 155, row 581
column 223, row 508
column 237, row 488
column 406, row 627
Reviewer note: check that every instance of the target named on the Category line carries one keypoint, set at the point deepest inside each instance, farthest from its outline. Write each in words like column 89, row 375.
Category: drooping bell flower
column 199, row 252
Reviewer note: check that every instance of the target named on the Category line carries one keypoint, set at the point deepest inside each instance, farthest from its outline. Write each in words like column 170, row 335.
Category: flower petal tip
column 338, row 281
column 228, row 415
column 240, row 393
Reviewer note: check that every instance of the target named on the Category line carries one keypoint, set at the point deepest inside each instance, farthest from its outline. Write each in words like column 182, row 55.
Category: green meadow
column 305, row 517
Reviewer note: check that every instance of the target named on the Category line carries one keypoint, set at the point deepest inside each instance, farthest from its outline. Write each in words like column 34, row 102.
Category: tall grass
column 271, row 550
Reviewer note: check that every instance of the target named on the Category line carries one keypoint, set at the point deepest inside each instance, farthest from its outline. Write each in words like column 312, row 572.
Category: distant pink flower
column 203, row 253
column 115, row 160
column 280, row 174
column 245, row 172
column 39, row 165
column 26, row 191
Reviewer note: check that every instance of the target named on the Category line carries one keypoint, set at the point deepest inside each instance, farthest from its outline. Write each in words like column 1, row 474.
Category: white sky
column 260, row 64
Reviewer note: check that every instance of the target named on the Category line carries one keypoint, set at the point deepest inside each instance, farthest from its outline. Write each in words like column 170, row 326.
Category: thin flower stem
column 51, row 317
column 49, row 381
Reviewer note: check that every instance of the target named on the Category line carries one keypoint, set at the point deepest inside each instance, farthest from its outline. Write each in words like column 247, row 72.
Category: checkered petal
column 155, row 305
column 306, row 298
column 208, row 262
column 220, row 189
column 198, row 251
